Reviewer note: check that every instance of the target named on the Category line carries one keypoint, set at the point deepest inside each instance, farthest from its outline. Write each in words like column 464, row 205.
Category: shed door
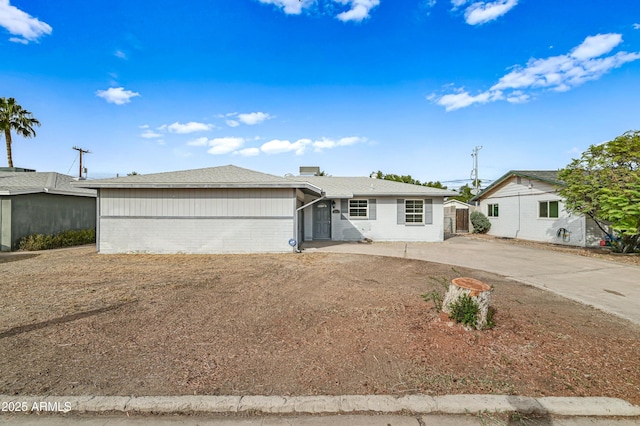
column 322, row 220
column 462, row 220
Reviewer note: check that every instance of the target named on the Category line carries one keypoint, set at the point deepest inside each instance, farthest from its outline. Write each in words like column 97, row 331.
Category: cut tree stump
column 477, row 290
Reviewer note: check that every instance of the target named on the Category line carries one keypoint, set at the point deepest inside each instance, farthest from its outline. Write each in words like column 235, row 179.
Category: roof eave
column 508, row 175
column 401, row 194
column 198, row 185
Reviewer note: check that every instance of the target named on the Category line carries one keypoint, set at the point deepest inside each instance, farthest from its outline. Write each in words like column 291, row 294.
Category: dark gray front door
column 322, row 220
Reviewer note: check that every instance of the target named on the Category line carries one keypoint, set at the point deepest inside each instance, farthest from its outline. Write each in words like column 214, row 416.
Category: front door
column 322, row 220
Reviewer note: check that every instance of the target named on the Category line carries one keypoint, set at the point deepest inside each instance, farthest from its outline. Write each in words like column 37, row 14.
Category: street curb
column 419, row 404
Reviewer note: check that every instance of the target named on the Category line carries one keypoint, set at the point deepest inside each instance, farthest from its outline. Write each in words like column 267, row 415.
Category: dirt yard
column 74, row 322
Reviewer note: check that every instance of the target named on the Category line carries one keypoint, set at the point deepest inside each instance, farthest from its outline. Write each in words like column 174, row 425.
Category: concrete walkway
column 609, row 286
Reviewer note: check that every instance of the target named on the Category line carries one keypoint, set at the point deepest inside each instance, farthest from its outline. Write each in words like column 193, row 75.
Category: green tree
column 15, row 118
column 465, row 194
column 407, row 179
column 604, row 184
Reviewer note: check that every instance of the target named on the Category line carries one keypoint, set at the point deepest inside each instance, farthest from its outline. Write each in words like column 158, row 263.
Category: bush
column 465, row 310
column 35, row 242
column 481, row 224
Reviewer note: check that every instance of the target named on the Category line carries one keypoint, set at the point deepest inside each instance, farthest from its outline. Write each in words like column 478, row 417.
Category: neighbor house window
column 359, row 208
column 414, row 211
column 492, row 210
column 548, row 209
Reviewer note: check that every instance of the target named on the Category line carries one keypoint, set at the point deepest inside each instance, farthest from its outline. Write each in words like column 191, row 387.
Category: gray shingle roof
column 548, row 176
column 211, row 177
column 348, row 187
column 17, row 183
column 237, row 177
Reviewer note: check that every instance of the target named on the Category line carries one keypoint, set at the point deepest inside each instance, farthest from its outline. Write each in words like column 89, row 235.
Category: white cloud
column 150, row 134
column 248, row 152
column 253, row 118
column 189, row 127
column 232, row 123
column 518, row 97
column 198, row 142
column 21, row 24
column 558, row 73
column 120, row 54
column 326, row 143
column 117, row 95
column 18, row 40
column 224, row 145
column 463, row 99
column 277, row 146
column 636, row 26
column 597, row 45
column 483, row 12
column 290, row 7
column 359, row 9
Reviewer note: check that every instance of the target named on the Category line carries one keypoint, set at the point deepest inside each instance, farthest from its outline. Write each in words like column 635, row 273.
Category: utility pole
column 474, row 172
column 81, row 151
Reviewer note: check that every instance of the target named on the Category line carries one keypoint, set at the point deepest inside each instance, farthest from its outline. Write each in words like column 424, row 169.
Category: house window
column 548, row 209
column 492, row 210
column 359, row 209
column 414, row 211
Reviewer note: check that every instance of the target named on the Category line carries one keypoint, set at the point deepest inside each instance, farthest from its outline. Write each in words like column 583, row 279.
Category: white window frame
column 548, row 216
column 359, row 208
column 413, row 212
column 491, row 210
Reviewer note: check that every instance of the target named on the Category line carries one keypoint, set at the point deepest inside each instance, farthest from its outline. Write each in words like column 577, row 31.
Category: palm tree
column 14, row 117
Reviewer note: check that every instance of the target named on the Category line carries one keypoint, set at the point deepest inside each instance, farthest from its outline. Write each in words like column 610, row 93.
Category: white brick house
column 527, row 205
column 229, row 209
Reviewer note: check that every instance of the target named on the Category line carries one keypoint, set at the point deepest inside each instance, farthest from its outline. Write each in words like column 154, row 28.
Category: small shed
column 456, row 216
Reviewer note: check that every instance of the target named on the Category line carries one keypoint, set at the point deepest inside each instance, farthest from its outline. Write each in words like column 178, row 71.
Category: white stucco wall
column 519, row 214
column 196, row 221
column 384, row 228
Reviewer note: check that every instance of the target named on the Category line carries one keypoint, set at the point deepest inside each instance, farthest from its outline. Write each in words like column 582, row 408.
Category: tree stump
column 477, row 290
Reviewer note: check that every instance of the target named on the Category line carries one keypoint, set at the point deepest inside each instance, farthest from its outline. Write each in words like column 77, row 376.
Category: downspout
column 518, row 230
column 98, row 214
column 296, row 249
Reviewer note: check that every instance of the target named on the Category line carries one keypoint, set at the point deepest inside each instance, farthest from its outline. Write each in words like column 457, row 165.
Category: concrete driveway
column 608, row 286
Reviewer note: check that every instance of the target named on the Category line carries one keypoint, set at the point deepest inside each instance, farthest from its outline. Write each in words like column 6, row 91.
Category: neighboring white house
column 527, row 205
column 229, row 209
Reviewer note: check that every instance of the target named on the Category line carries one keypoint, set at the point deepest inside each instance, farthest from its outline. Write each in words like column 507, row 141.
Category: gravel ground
column 75, row 322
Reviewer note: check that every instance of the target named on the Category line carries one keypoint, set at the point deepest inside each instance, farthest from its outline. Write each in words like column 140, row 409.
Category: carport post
column 323, row 195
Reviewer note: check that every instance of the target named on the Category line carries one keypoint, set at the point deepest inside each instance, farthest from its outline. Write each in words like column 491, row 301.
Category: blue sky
column 353, row 86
